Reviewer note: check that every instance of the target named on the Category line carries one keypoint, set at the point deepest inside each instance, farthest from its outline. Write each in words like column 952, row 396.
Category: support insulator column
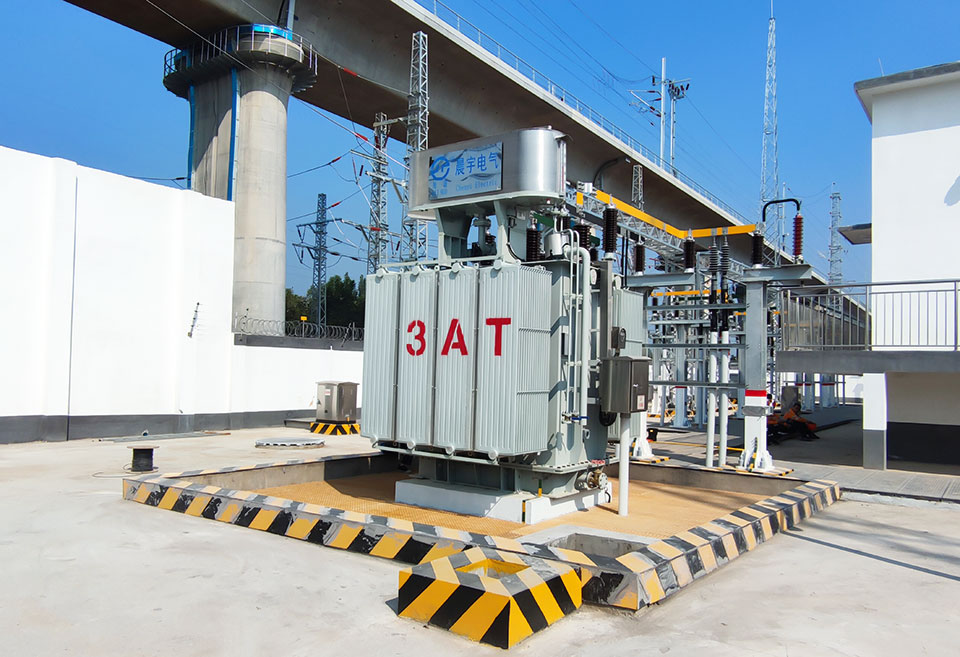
column 756, row 249
column 798, row 236
column 610, row 215
column 689, row 254
column 533, row 245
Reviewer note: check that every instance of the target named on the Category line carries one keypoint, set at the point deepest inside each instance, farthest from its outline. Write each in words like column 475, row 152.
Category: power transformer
column 485, row 364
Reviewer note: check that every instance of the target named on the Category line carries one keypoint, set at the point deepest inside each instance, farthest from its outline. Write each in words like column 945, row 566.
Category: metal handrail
column 233, row 40
column 910, row 315
column 282, row 328
column 515, row 62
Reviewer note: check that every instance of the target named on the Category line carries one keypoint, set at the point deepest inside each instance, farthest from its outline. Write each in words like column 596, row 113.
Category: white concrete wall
column 102, row 275
column 916, row 182
column 38, row 198
column 923, row 397
column 916, row 211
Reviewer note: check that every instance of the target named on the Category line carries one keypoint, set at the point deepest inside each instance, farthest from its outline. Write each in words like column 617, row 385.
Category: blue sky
column 95, row 95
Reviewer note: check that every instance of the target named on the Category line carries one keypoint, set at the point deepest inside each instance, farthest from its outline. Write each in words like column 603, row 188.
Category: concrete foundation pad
column 472, row 501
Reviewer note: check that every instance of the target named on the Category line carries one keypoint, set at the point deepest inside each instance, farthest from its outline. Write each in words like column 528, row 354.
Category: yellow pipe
column 679, row 233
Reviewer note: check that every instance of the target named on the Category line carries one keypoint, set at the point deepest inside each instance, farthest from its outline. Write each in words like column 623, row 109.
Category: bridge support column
column 238, row 95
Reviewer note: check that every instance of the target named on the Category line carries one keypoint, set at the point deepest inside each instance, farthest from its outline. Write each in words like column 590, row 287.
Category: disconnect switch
column 624, row 382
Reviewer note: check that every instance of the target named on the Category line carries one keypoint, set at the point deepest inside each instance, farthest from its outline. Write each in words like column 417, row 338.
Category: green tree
column 297, row 307
column 346, row 300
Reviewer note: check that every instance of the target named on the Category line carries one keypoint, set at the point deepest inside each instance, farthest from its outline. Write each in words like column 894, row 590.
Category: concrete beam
column 472, row 92
column 864, row 362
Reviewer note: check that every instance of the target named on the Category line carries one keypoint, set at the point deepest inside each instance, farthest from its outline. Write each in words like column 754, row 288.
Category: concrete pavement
column 88, row 574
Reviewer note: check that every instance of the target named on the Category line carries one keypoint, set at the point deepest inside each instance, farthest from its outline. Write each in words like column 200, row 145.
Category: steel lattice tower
column 318, row 252
column 418, row 113
column 376, row 239
column 769, row 166
column 836, row 249
column 320, row 259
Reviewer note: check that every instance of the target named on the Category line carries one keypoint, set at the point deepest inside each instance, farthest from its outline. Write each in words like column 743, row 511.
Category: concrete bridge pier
column 238, row 83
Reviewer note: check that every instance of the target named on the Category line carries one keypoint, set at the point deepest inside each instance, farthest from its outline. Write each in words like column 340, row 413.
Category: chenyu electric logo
column 466, row 172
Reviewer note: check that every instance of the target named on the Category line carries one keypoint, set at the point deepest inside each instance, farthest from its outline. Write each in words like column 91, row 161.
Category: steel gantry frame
column 835, row 277
column 769, row 164
column 379, row 176
column 418, row 114
column 317, row 252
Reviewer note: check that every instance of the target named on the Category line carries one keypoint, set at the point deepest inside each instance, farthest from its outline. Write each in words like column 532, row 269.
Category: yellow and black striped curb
column 491, row 596
column 335, row 428
column 651, row 460
column 390, row 538
column 631, row 581
column 660, row 569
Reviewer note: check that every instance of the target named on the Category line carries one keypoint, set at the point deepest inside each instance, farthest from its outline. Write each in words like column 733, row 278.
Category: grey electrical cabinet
column 336, row 401
column 623, row 384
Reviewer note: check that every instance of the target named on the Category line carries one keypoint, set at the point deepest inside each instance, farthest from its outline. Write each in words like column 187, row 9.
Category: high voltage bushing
column 583, row 230
column 610, row 230
column 714, row 259
column 724, row 256
column 798, row 235
column 533, row 245
column 756, row 251
column 639, row 258
column 689, row 254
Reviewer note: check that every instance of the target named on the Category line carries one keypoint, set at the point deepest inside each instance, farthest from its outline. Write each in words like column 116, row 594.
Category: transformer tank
column 485, row 364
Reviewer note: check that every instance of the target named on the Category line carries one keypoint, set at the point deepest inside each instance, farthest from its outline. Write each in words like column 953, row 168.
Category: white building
column 911, row 408
column 116, row 313
column 904, row 336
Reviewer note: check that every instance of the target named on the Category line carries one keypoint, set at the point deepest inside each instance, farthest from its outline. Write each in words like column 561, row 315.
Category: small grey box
column 336, row 401
column 789, row 395
column 623, row 384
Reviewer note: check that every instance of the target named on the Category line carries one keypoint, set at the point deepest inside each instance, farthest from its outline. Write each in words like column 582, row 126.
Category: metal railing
column 295, row 329
column 511, row 59
column 909, row 315
column 242, row 39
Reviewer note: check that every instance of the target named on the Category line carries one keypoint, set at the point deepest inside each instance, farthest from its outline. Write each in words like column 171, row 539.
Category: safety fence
column 872, row 316
column 296, row 329
column 238, row 40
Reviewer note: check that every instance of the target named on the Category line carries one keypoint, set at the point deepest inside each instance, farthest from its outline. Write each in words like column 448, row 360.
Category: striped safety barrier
column 491, row 596
column 335, row 428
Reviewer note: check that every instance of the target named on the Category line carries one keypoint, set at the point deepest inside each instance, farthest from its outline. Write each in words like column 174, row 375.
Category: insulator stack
column 725, row 257
column 639, row 258
column 798, row 235
column 583, row 230
column 563, row 223
column 714, row 259
column 610, row 230
column 689, row 254
column 533, row 245
column 756, row 252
